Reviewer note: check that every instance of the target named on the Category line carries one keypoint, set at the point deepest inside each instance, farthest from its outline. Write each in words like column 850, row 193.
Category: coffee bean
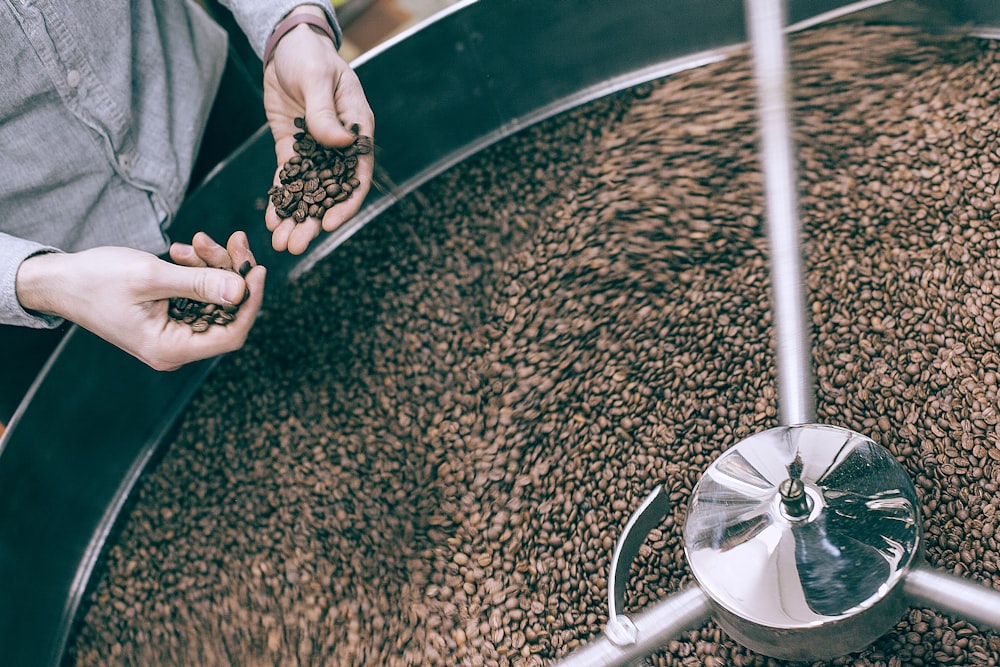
column 315, row 172
column 201, row 315
column 430, row 443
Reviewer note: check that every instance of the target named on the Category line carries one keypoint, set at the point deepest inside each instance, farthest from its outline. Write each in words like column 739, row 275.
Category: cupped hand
column 308, row 78
column 122, row 295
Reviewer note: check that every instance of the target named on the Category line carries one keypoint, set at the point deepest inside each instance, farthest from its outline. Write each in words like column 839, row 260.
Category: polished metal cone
column 801, row 537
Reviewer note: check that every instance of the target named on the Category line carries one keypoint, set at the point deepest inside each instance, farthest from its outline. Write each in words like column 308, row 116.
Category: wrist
column 308, row 15
column 37, row 283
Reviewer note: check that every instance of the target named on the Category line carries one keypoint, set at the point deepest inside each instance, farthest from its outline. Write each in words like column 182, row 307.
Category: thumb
column 217, row 286
column 324, row 124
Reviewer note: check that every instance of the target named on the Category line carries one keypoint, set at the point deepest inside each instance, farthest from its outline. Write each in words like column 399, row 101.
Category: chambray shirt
column 102, row 109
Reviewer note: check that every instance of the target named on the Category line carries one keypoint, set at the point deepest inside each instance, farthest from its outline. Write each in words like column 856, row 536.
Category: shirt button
column 73, row 78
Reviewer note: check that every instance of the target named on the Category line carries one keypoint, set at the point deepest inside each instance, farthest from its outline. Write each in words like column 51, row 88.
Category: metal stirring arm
column 627, row 640
column 927, row 587
column 765, row 26
column 654, row 627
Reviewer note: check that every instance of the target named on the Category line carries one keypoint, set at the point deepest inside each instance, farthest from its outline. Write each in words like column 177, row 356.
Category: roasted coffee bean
column 431, row 441
column 200, row 315
column 315, row 172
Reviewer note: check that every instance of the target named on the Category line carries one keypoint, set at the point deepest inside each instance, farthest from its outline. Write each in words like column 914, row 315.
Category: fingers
column 302, row 236
column 181, row 345
column 352, row 105
column 336, row 110
column 184, row 254
column 324, row 124
column 286, row 234
column 236, row 331
column 205, row 271
column 294, row 237
column 239, row 253
column 205, row 252
column 212, row 253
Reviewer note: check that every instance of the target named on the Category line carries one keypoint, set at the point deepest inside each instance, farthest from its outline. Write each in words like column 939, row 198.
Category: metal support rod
column 765, row 24
column 976, row 603
column 656, row 626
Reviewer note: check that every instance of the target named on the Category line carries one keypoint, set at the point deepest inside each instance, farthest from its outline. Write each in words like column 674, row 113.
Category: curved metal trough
column 95, row 417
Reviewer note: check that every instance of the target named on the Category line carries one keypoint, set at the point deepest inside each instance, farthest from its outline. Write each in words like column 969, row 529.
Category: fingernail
column 245, row 268
column 231, row 291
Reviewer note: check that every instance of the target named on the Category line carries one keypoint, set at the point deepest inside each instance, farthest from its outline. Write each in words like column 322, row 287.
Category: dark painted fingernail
column 245, row 268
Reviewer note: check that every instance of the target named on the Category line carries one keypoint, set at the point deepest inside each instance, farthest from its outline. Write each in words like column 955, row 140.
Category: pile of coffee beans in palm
column 200, row 315
column 431, row 441
column 317, row 177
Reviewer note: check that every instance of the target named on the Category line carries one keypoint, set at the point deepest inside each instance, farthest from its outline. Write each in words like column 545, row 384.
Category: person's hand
column 122, row 295
column 308, row 78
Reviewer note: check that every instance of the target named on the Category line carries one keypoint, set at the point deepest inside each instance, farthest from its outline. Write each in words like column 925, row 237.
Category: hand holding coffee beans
column 204, row 251
column 317, row 177
column 201, row 315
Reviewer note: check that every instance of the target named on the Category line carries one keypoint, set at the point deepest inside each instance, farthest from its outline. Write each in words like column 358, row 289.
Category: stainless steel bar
column 655, row 627
column 976, row 603
column 765, row 26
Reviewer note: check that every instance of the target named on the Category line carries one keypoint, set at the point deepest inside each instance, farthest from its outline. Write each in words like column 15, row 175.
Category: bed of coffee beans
column 428, row 447
column 317, row 177
column 200, row 315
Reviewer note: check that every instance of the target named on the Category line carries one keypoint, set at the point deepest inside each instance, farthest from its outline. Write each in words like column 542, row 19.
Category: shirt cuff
column 13, row 251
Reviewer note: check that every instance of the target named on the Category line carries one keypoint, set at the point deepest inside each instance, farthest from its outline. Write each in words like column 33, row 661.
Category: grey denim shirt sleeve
column 258, row 18
column 98, row 135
